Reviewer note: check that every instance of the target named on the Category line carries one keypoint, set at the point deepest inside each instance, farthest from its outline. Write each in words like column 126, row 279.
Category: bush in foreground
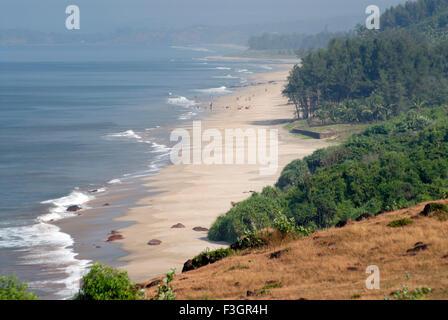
column 12, row 289
column 107, row 283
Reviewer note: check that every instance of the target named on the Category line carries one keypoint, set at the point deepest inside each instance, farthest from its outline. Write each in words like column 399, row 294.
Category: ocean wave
column 187, row 116
column 114, row 181
column 160, row 148
column 220, row 90
column 182, row 101
column 223, row 68
column 228, row 76
column 44, row 244
column 59, row 206
column 125, row 134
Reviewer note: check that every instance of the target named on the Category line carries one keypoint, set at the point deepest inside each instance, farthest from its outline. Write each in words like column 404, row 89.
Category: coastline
column 195, row 195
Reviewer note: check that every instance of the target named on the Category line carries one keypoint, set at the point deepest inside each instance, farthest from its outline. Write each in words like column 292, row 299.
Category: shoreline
column 195, row 195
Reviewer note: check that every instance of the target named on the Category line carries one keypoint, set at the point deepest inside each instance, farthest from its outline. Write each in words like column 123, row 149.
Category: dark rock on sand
column 154, row 242
column 106, row 204
column 250, row 293
column 178, row 225
column 115, row 237
column 73, row 208
column 200, row 229
column 188, row 265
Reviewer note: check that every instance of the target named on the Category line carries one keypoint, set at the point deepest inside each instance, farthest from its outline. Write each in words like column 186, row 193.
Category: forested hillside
column 377, row 74
column 393, row 79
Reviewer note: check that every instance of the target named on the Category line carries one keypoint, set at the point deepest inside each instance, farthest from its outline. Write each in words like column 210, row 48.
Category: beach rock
column 352, row 268
column 115, row 237
column 154, row 242
column 106, row 204
column 73, row 208
column 250, row 293
column 93, row 191
column 178, row 225
column 200, row 229
column 188, row 265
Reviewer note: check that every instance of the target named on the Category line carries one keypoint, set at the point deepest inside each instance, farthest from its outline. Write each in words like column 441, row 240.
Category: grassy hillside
column 331, row 264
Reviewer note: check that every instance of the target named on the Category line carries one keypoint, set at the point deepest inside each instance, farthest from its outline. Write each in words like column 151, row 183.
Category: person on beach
column 211, row 106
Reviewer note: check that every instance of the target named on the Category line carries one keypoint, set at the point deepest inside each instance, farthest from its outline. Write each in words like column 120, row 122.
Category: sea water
column 77, row 121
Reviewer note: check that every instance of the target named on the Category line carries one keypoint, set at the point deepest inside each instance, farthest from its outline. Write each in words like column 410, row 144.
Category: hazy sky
column 108, row 15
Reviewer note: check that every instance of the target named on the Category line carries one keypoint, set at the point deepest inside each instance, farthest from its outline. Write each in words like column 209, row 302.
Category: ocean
column 79, row 123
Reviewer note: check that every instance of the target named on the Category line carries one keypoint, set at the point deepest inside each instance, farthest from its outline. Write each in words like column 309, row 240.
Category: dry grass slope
column 331, row 264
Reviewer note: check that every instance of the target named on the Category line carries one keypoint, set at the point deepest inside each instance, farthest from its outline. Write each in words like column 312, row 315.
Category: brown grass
column 331, row 264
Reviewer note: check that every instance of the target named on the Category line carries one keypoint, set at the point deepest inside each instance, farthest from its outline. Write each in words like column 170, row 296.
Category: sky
column 109, row 15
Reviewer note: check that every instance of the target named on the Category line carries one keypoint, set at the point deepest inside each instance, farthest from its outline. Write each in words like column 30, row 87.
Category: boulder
column 188, row 265
column 73, row 208
column 177, row 225
column 115, row 237
column 154, row 242
column 200, row 229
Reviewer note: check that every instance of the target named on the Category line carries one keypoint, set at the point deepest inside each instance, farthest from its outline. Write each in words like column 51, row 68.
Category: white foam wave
column 125, row 134
column 266, row 67
column 187, row 116
column 228, row 76
column 160, row 148
column 223, row 68
column 182, row 101
column 220, row 90
column 45, row 245
column 58, row 209
column 114, row 181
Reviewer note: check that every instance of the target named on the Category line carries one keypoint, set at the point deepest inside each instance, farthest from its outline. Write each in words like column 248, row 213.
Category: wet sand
column 195, row 195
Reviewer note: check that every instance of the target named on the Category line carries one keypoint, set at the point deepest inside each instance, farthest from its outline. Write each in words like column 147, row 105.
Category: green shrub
column 400, row 222
column 436, row 209
column 166, row 291
column 12, row 289
column 389, row 166
column 254, row 213
column 208, row 256
column 405, row 294
column 107, row 283
column 250, row 239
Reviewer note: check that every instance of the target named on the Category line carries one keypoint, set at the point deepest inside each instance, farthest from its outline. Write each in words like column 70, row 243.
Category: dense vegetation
column 391, row 165
column 106, row 283
column 12, row 289
column 376, row 75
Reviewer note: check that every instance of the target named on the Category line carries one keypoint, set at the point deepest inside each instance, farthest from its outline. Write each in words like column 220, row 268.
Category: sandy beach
column 195, row 195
